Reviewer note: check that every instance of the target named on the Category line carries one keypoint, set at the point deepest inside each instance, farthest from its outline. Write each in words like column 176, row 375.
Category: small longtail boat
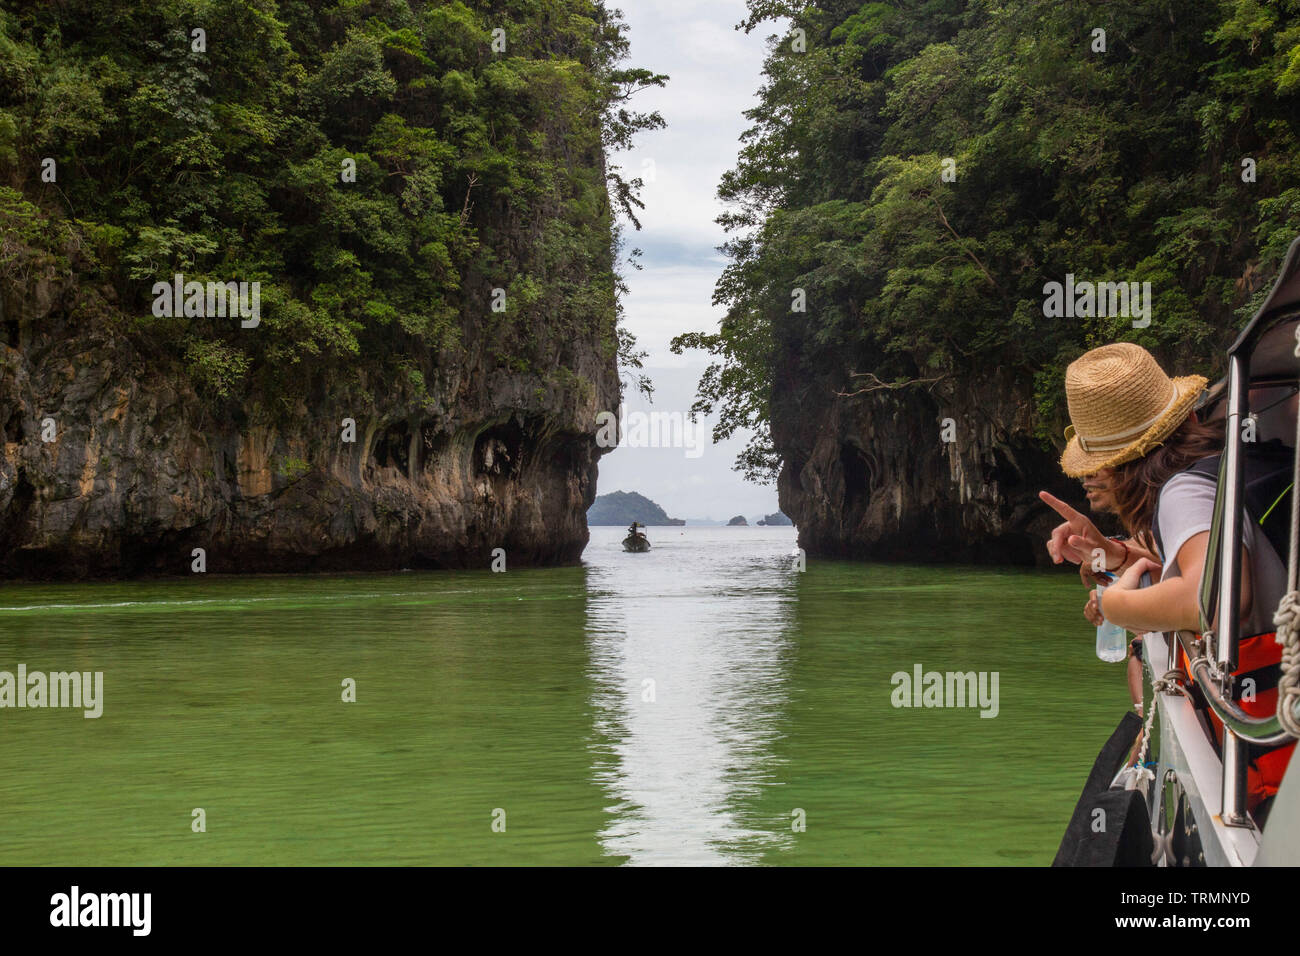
column 636, row 542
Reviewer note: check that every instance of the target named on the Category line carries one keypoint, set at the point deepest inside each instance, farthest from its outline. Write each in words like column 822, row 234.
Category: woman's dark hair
column 1136, row 484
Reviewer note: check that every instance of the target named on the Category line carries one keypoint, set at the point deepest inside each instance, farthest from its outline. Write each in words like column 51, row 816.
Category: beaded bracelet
column 1123, row 560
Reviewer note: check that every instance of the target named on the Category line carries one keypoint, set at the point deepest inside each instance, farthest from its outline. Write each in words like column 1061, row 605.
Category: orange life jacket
column 1259, row 658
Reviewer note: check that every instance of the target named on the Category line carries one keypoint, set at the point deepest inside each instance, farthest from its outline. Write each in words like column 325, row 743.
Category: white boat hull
column 1186, row 751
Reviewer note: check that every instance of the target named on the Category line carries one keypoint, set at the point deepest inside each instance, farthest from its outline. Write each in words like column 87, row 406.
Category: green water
column 526, row 692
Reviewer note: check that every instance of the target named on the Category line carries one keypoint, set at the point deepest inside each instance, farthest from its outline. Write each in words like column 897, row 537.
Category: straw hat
column 1122, row 405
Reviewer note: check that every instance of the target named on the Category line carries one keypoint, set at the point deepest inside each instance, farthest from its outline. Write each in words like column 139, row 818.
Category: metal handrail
column 1266, row 731
column 1230, row 503
column 1233, row 811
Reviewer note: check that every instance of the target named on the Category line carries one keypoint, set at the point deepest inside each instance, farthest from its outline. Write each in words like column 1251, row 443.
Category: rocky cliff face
column 420, row 194
column 113, row 467
column 872, row 476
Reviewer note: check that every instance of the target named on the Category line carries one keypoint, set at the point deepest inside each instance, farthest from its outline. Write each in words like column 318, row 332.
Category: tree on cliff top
column 1171, row 157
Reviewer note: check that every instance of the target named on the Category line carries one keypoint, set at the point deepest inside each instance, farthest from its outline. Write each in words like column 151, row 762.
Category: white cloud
column 715, row 72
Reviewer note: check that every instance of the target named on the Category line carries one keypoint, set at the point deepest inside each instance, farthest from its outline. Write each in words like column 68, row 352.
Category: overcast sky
column 715, row 73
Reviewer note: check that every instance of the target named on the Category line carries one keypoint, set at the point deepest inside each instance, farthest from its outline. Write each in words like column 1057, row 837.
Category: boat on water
column 636, row 541
column 1188, row 805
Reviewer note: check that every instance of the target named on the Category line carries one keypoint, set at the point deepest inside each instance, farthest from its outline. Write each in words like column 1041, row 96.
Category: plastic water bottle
column 1112, row 641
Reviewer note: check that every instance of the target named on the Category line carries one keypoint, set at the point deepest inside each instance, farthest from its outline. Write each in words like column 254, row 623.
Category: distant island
column 774, row 519
column 737, row 522
column 624, row 507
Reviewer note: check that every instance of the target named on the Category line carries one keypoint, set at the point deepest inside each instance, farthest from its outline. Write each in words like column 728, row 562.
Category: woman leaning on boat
column 1127, row 416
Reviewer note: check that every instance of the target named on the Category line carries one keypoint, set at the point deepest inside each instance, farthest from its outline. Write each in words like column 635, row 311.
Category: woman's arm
column 1166, row 606
column 1137, row 552
column 1174, row 603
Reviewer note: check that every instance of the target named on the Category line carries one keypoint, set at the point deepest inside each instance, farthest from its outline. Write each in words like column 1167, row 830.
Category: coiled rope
column 1287, row 622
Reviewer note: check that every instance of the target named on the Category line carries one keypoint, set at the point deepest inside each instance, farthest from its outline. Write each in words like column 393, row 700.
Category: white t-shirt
column 1186, row 508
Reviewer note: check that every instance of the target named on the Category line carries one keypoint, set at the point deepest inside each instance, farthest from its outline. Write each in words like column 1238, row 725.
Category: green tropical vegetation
column 380, row 166
column 1162, row 149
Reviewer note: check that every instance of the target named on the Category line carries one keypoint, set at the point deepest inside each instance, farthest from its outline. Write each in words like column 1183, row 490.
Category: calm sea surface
column 705, row 703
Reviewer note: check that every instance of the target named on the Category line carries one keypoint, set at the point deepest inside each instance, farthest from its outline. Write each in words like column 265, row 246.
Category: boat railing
column 1212, row 656
column 1266, row 731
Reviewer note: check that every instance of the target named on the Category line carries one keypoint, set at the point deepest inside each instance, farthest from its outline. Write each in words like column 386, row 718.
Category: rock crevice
column 873, row 477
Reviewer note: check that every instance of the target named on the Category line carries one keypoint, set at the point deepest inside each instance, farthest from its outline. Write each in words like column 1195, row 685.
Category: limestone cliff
column 418, row 191
column 872, row 477
column 139, row 471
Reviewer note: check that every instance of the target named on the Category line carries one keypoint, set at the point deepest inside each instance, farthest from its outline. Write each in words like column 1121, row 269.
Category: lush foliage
column 1122, row 165
column 475, row 168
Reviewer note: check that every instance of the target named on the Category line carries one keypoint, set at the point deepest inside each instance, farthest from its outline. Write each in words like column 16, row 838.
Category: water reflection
column 523, row 691
column 690, row 652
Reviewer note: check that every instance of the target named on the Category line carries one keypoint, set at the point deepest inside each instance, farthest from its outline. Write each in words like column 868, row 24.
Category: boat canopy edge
column 1284, row 297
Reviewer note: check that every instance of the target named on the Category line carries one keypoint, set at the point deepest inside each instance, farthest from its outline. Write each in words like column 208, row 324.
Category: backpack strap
column 1266, row 483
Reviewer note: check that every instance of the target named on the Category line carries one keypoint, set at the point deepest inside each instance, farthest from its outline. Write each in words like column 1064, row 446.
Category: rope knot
column 1287, row 622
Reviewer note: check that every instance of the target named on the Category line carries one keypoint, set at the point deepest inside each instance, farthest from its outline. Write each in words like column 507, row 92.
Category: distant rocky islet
column 624, row 507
